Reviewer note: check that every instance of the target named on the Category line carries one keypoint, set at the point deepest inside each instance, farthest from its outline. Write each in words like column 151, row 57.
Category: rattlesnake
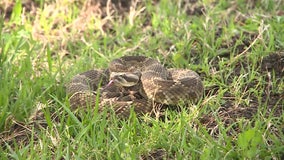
column 133, row 81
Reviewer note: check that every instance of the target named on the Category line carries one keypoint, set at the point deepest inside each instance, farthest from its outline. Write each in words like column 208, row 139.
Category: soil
column 230, row 112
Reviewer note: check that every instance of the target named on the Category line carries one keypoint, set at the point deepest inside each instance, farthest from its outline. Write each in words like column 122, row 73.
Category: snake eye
column 131, row 78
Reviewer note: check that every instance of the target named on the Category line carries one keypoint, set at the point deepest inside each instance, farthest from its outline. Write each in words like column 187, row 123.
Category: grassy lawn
column 237, row 47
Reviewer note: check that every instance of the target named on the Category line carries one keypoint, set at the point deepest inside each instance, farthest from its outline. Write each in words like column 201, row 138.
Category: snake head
column 124, row 79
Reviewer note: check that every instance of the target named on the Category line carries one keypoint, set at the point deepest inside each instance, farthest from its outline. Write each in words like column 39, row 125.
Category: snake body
column 142, row 82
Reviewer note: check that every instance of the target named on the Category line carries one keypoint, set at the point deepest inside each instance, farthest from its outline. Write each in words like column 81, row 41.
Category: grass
column 235, row 46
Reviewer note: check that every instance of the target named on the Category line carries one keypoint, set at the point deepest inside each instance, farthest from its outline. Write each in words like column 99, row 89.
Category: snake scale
column 136, row 82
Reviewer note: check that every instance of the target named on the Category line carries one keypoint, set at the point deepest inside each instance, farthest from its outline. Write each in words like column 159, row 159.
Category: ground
column 235, row 46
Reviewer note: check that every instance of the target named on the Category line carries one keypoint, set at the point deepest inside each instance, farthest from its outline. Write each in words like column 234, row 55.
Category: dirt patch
column 231, row 112
column 273, row 63
column 156, row 154
column 20, row 134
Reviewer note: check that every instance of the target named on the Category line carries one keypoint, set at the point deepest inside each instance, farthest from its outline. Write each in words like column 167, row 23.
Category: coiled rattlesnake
column 134, row 81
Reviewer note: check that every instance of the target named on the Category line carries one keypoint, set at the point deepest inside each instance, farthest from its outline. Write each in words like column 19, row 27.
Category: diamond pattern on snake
column 136, row 82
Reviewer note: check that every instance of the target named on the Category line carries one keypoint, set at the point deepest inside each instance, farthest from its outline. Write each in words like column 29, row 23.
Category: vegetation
column 235, row 46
